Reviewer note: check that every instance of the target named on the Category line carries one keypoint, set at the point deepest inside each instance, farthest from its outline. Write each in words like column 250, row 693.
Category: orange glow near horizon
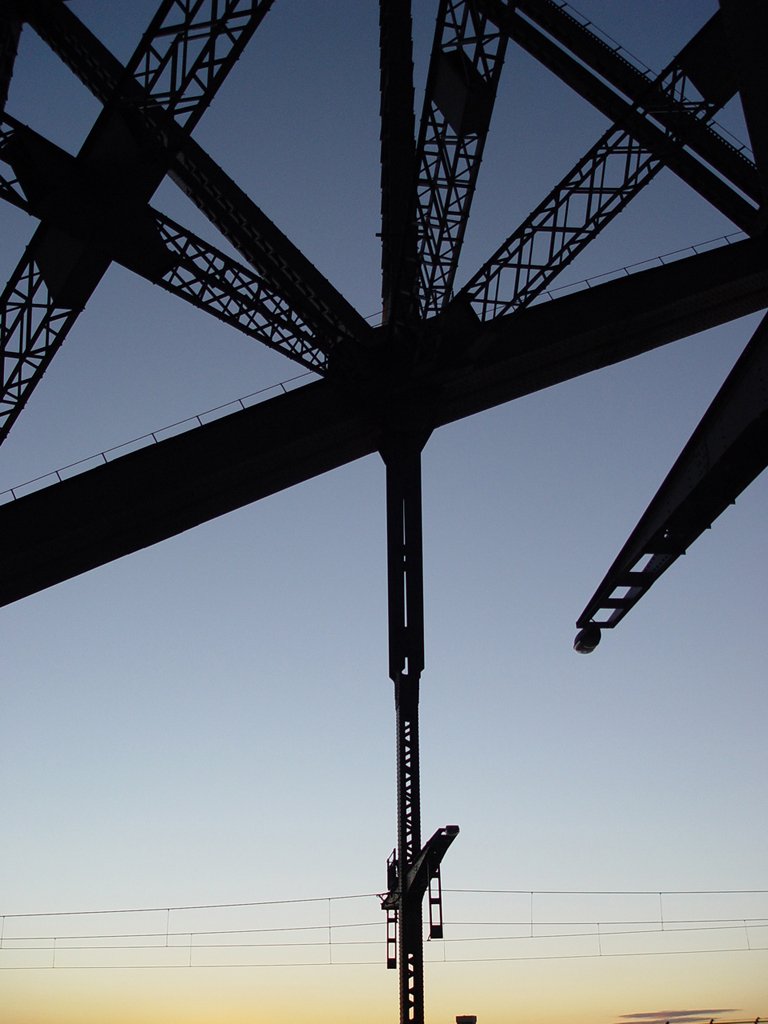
column 593, row 991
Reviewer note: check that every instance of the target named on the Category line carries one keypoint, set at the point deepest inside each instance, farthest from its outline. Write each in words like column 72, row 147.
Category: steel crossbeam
column 467, row 57
column 335, row 323
column 145, row 497
column 601, row 184
column 10, row 192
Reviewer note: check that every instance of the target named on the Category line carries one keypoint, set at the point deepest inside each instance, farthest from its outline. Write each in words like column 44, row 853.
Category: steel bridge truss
column 464, row 71
column 440, row 354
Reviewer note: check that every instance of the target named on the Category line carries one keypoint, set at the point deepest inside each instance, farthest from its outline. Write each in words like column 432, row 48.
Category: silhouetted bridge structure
column 441, row 353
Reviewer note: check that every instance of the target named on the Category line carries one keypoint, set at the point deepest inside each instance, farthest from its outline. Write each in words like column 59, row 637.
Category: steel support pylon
column 412, row 868
column 406, row 662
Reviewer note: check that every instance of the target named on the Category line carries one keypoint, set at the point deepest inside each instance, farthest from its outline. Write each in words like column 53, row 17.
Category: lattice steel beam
column 84, row 229
column 728, row 449
column 59, row 272
column 251, row 232
column 196, row 272
column 467, row 57
column 189, row 49
column 611, row 174
column 10, row 189
column 219, row 285
column 711, row 66
column 182, row 59
column 589, row 197
column 336, row 324
column 32, row 328
column 661, row 122
column 186, row 266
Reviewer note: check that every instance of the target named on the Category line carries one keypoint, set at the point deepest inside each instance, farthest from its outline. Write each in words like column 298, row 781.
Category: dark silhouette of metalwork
column 440, row 354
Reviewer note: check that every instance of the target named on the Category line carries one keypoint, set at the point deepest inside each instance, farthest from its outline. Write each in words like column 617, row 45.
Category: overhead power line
column 245, row 904
column 278, row 939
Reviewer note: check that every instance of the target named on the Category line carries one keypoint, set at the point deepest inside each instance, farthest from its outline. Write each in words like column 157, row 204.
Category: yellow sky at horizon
column 585, row 991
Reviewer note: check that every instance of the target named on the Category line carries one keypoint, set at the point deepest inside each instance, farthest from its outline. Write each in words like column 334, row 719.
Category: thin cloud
column 689, row 1016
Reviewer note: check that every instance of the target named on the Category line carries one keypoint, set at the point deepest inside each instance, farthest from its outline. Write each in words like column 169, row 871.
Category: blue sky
column 210, row 721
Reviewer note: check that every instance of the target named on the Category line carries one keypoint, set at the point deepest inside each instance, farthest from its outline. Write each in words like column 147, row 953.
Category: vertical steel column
column 398, row 163
column 406, row 662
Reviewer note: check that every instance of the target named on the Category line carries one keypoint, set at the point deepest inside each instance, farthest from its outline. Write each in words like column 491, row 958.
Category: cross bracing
column 441, row 354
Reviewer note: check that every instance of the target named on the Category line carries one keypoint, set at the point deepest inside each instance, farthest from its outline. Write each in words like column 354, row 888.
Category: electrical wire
column 190, row 945
column 191, row 906
column 373, row 895
column 614, row 892
column 377, row 963
column 193, row 943
column 690, row 924
column 91, row 947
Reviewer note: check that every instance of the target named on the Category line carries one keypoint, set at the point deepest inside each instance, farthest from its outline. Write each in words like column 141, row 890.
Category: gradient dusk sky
column 209, row 722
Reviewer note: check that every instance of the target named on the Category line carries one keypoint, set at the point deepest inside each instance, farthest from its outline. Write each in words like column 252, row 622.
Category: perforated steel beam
column 728, row 449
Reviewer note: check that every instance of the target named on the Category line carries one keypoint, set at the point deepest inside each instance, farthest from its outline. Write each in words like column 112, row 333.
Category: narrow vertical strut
column 10, row 27
column 411, row 870
column 398, row 162
column 406, row 662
